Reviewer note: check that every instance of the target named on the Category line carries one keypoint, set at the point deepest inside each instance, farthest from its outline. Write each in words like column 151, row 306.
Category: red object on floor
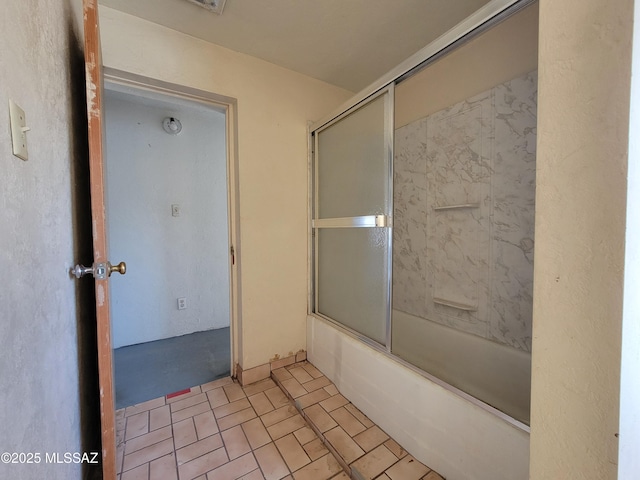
column 181, row 392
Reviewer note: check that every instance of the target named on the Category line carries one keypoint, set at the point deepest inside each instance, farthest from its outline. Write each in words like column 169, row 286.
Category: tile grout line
column 253, row 451
column 299, row 408
column 312, row 426
column 353, row 473
column 173, row 438
column 253, row 454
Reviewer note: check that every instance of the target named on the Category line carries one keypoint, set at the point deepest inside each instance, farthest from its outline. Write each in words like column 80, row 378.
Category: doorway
column 167, row 197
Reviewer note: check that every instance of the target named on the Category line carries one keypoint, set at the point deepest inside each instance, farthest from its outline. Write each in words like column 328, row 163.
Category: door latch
column 100, row 271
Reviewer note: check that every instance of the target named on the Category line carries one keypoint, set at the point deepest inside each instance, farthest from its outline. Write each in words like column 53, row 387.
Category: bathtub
column 492, row 372
column 454, row 435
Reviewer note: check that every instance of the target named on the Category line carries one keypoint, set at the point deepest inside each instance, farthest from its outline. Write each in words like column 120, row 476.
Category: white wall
column 167, row 257
column 274, row 108
column 40, row 324
column 581, row 196
column 459, row 440
column 628, row 458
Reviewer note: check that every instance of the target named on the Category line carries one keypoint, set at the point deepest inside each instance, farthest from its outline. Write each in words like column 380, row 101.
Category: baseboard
column 255, row 374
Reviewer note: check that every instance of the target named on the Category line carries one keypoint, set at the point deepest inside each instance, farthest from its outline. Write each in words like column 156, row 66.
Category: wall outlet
column 182, row 303
column 175, row 210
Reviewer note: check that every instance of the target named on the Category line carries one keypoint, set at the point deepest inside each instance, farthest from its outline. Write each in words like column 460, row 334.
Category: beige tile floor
column 299, row 428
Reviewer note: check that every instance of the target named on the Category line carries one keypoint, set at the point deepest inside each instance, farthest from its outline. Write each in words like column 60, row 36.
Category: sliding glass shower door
column 352, row 221
column 462, row 197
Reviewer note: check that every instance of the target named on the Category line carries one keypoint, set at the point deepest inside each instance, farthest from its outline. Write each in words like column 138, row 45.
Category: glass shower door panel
column 353, row 164
column 352, row 262
column 352, row 227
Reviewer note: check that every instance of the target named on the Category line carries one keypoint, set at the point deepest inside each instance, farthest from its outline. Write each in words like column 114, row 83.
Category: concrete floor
column 150, row 370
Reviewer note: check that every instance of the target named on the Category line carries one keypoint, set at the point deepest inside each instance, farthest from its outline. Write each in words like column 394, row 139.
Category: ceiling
column 348, row 43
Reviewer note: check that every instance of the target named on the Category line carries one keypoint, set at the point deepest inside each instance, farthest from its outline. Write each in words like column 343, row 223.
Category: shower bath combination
column 448, row 151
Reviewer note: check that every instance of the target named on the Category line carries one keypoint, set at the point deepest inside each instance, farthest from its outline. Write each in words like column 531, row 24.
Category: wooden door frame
column 95, row 125
column 229, row 105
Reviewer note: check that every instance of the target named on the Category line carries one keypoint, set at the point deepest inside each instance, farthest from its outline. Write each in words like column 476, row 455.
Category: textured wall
column 167, row 257
column 40, row 325
column 583, row 130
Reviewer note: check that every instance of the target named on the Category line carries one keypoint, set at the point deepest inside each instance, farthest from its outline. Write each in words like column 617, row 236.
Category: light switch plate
column 18, row 131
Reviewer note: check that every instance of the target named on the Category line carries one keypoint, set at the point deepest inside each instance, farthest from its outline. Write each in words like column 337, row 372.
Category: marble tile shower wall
column 464, row 193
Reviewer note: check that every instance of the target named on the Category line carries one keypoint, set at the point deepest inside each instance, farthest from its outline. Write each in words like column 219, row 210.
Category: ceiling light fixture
column 172, row 125
column 215, row 6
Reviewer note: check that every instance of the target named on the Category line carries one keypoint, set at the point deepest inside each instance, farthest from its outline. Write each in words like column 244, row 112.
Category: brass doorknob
column 121, row 268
